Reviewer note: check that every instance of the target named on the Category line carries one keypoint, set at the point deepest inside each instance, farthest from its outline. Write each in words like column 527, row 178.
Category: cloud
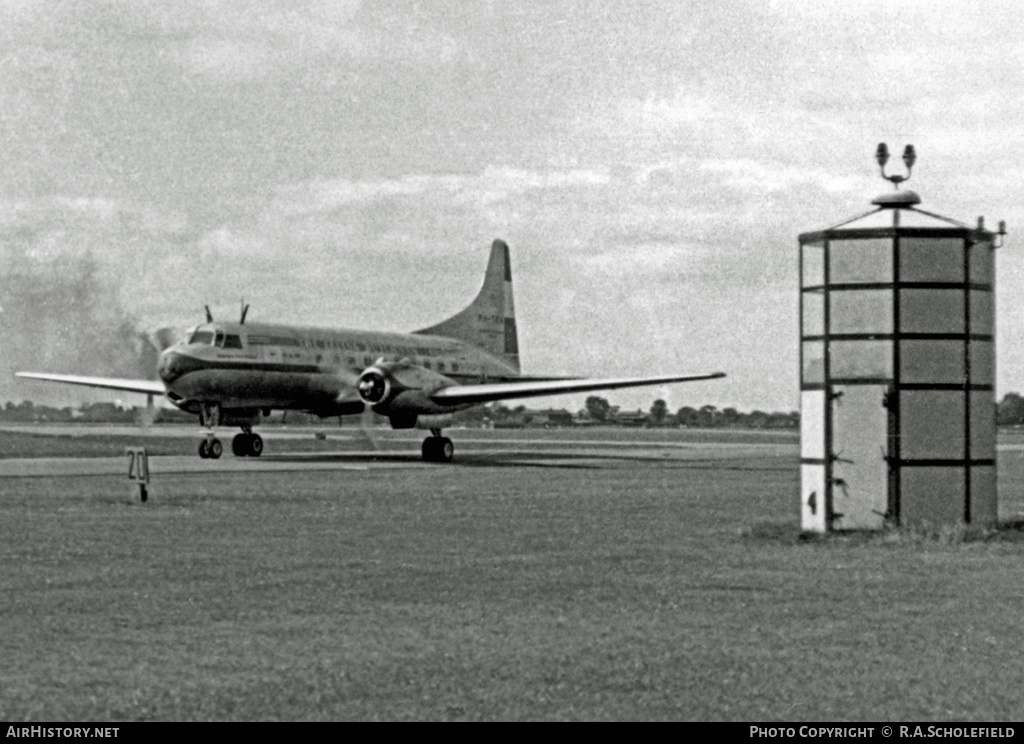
column 242, row 43
column 347, row 163
column 758, row 177
column 234, row 41
column 226, row 59
column 493, row 184
column 89, row 216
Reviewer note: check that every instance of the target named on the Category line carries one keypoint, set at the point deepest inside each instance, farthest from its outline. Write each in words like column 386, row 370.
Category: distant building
column 550, row 417
column 630, row 418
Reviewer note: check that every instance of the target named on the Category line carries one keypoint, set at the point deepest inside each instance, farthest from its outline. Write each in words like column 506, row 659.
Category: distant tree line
column 1010, row 410
column 599, row 411
column 596, row 411
column 110, row 413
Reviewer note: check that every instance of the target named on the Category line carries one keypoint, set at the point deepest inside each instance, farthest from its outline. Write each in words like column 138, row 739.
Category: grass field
column 640, row 584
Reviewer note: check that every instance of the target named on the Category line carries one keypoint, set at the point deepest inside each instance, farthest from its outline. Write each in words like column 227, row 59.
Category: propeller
column 350, row 378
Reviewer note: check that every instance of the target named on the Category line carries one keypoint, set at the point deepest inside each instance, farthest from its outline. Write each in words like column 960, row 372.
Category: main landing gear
column 437, row 448
column 247, row 444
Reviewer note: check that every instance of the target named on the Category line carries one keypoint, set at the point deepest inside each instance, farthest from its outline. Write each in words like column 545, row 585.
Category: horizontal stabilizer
column 145, row 387
column 463, row 394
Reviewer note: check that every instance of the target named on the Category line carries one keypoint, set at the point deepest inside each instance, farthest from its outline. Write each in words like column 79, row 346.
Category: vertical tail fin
column 490, row 320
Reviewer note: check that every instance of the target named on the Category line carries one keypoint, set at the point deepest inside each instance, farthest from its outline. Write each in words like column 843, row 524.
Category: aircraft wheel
column 438, row 449
column 255, row 445
column 445, row 449
column 204, row 450
column 428, row 449
column 240, row 445
column 216, row 449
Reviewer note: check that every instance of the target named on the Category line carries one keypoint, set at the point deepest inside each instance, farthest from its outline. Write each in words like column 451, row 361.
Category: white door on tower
column 860, row 470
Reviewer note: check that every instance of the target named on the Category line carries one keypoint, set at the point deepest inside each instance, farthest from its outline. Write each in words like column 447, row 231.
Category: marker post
column 138, row 472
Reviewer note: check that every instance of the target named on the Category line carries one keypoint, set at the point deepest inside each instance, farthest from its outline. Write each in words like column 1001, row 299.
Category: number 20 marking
column 138, row 465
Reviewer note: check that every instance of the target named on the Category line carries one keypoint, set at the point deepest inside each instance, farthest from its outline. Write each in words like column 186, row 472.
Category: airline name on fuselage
column 310, row 350
column 309, row 343
column 331, row 344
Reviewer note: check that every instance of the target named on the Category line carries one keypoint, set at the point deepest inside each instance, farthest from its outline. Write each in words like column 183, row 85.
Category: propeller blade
column 148, row 414
column 165, row 337
column 349, row 377
column 366, row 427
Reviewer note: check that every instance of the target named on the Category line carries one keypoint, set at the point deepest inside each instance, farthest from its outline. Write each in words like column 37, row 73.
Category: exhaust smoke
column 64, row 316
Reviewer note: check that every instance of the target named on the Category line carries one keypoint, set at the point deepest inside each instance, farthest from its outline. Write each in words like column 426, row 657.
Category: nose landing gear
column 210, row 448
column 209, row 416
column 245, row 444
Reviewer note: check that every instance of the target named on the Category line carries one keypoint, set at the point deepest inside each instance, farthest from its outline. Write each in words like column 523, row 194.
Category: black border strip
column 901, row 337
column 895, row 285
column 964, row 463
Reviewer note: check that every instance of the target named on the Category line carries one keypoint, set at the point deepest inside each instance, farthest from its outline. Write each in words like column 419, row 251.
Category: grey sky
column 650, row 163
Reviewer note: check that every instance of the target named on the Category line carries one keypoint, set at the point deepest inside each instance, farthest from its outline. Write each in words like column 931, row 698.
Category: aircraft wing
column 145, row 387
column 487, row 392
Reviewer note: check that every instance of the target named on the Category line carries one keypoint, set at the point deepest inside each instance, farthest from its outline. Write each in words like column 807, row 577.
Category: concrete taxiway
column 159, row 465
column 384, row 449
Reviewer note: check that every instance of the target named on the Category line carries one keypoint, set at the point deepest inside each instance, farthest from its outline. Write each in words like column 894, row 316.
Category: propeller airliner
column 231, row 374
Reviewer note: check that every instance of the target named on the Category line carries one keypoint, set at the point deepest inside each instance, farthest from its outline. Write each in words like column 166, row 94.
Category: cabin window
column 440, row 366
column 257, row 340
column 426, row 364
column 201, row 337
column 455, row 367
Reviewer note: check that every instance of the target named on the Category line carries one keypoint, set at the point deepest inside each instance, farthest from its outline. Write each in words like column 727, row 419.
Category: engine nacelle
column 374, row 385
column 401, row 388
column 436, row 421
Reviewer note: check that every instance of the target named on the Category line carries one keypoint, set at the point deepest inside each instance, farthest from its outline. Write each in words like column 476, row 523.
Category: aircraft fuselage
column 264, row 366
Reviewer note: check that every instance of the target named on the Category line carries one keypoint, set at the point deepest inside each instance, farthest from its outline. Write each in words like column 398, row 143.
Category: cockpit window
column 201, row 337
column 231, row 341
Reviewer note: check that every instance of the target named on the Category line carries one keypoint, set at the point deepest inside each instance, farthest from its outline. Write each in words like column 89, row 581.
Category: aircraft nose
column 169, row 367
